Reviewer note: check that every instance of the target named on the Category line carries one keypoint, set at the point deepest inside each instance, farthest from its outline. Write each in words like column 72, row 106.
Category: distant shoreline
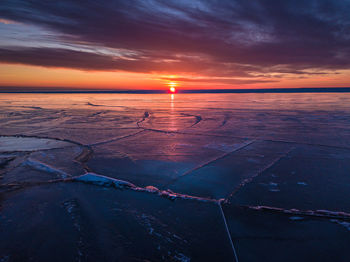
column 199, row 91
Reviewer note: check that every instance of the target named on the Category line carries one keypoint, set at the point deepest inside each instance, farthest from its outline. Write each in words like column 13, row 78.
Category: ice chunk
column 151, row 189
column 100, row 180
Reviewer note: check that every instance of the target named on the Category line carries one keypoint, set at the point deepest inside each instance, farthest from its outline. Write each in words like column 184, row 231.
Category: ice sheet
column 93, row 223
column 143, row 177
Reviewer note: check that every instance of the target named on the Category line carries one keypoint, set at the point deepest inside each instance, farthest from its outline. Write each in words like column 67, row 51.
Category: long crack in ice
column 116, row 138
column 145, row 116
column 215, row 159
column 250, row 179
column 227, row 230
column 319, row 213
column 198, row 118
column 100, row 180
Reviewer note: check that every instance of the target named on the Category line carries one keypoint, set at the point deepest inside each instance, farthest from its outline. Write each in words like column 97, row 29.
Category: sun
column 172, row 87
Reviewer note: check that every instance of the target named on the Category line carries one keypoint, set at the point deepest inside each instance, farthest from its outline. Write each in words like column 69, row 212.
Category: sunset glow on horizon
column 192, row 44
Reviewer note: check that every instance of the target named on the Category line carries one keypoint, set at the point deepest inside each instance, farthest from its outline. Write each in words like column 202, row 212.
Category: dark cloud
column 90, row 61
column 213, row 38
column 66, row 58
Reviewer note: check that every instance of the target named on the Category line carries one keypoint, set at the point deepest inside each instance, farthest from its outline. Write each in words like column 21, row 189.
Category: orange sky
column 13, row 75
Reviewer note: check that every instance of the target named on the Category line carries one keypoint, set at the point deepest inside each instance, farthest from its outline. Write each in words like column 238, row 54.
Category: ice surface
column 94, row 223
column 231, row 171
column 309, row 178
column 8, row 143
column 43, row 165
column 156, row 159
column 269, row 236
column 278, row 164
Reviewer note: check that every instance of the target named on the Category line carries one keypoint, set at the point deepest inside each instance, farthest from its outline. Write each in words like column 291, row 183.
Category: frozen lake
column 181, row 177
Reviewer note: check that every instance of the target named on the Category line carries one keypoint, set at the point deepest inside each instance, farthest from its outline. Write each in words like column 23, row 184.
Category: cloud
column 91, row 61
column 6, row 21
column 208, row 38
column 221, row 80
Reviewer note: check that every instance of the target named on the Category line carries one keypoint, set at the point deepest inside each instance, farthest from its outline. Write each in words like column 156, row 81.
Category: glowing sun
column 172, row 86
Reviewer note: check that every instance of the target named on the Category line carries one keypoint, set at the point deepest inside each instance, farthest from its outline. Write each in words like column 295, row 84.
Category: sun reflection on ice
column 172, row 117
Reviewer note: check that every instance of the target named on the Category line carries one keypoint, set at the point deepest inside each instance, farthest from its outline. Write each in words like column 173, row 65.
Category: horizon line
column 188, row 91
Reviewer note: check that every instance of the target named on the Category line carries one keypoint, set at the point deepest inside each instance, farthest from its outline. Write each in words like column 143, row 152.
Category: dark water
column 184, row 177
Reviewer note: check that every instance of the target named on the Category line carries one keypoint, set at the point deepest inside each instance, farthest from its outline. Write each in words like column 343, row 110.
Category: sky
column 151, row 44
